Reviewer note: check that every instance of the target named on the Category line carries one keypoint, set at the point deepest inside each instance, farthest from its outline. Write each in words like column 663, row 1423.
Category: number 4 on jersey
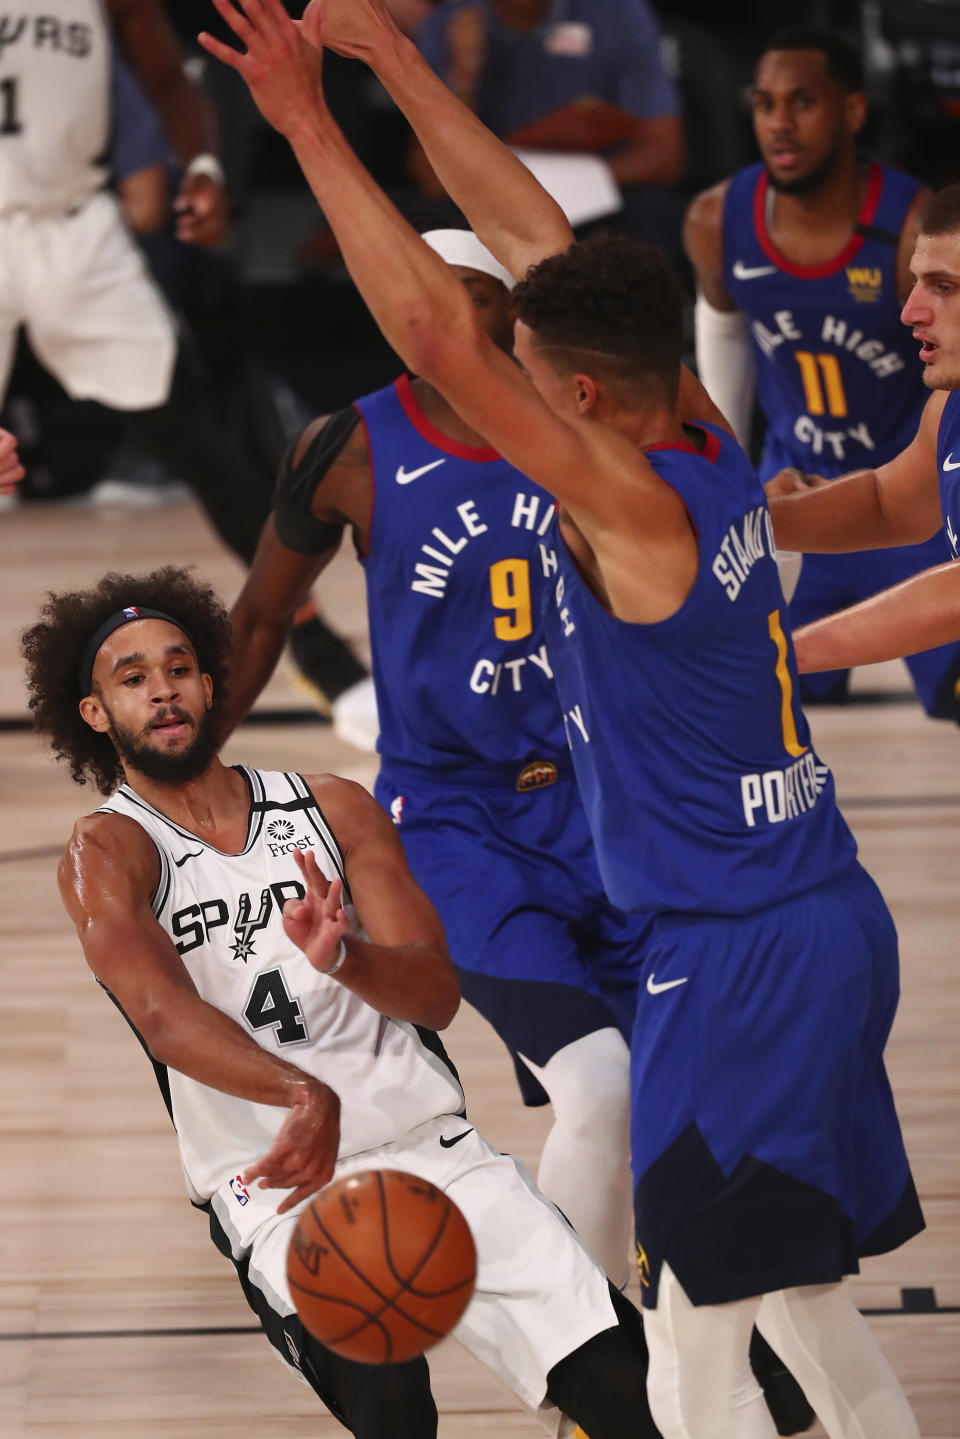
column 271, row 1005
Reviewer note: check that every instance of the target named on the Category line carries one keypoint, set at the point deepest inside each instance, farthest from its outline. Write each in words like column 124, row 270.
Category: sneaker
column 323, row 665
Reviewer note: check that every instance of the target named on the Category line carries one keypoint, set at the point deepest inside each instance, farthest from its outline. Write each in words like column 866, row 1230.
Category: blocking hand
column 281, row 69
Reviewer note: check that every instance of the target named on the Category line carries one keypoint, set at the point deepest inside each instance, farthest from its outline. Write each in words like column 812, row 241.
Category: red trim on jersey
column 829, row 267
column 479, row 454
column 710, row 451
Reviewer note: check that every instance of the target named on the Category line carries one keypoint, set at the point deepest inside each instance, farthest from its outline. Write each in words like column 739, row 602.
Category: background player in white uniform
column 180, row 888
column 71, row 273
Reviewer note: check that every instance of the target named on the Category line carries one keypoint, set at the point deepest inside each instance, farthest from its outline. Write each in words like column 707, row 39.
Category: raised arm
column 919, row 614
column 401, row 966
column 507, row 208
column 896, row 504
column 107, row 876
column 421, row 306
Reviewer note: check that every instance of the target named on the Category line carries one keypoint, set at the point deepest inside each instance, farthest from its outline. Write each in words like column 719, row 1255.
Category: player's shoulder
column 107, row 842
column 703, row 226
column 340, row 431
column 350, row 809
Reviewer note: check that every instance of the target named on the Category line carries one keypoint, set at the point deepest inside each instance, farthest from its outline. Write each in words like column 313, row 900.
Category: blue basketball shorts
column 765, row 1144
column 538, row 948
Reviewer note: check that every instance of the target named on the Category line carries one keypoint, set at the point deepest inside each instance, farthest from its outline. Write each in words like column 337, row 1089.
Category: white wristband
column 338, row 962
column 207, row 165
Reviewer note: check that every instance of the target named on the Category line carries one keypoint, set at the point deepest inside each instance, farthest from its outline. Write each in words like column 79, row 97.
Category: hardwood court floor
column 118, row 1320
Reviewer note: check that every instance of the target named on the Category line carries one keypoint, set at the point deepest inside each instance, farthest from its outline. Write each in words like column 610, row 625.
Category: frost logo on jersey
column 865, row 284
column 239, row 1190
column 245, row 926
column 396, row 808
column 284, row 833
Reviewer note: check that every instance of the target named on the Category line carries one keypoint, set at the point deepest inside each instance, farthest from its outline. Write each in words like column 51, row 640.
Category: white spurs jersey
column 222, row 912
column 54, row 104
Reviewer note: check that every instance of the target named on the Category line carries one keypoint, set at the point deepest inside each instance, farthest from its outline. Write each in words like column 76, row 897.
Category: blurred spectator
column 570, row 75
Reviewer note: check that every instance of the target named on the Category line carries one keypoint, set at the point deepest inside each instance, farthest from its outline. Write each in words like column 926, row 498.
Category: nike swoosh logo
column 751, row 272
column 654, row 988
column 449, row 1143
column 183, row 858
column 947, row 465
column 407, row 477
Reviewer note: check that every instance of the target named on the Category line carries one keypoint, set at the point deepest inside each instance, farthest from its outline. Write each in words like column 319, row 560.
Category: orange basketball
column 381, row 1265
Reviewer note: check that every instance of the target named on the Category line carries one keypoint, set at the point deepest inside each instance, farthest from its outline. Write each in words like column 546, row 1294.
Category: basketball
column 381, row 1266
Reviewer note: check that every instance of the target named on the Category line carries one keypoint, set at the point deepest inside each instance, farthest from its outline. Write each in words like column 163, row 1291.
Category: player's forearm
column 838, row 518
column 200, row 1041
column 919, row 614
column 413, row 982
column 257, row 646
column 507, row 208
column 421, row 307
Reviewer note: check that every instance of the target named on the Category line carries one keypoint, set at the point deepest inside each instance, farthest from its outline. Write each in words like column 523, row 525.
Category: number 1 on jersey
column 791, row 743
column 510, row 590
column 9, row 119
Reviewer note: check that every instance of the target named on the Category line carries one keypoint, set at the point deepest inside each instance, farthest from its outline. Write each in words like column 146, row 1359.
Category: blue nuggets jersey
column 459, row 659
column 694, row 760
column 948, row 465
column 837, row 373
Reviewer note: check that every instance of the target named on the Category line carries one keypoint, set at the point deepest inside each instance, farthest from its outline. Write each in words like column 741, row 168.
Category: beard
column 187, row 764
column 809, row 183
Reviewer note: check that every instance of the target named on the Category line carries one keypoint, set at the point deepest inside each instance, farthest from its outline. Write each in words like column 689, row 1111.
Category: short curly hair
column 52, row 647
column 612, row 296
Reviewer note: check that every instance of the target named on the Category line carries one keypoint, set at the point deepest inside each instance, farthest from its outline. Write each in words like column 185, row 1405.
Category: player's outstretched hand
column 11, row 470
column 282, row 71
column 316, row 924
column 304, row 1152
column 350, row 27
column 791, row 481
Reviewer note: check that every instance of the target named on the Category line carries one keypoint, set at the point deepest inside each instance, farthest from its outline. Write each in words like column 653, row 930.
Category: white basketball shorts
column 539, row 1294
column 93, row 316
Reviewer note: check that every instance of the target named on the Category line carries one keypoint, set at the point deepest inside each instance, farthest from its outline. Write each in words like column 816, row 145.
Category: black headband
column 104, row 631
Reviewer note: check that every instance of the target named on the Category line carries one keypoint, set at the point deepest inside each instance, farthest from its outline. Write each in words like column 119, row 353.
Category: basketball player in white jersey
column 263, row 936
column 68, row 269
column 72, row 275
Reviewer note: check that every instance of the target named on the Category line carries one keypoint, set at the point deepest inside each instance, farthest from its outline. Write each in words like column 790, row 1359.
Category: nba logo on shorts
column 396, row 808
column 240, row 1192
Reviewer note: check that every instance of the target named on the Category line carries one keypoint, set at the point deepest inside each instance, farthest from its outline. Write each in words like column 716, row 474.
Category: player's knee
column 588, row 1082
column 395, row 1402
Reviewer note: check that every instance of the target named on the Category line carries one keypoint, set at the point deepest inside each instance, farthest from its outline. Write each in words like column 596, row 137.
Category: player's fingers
column 219, row 51
column 240, row 18
column 332, row 902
